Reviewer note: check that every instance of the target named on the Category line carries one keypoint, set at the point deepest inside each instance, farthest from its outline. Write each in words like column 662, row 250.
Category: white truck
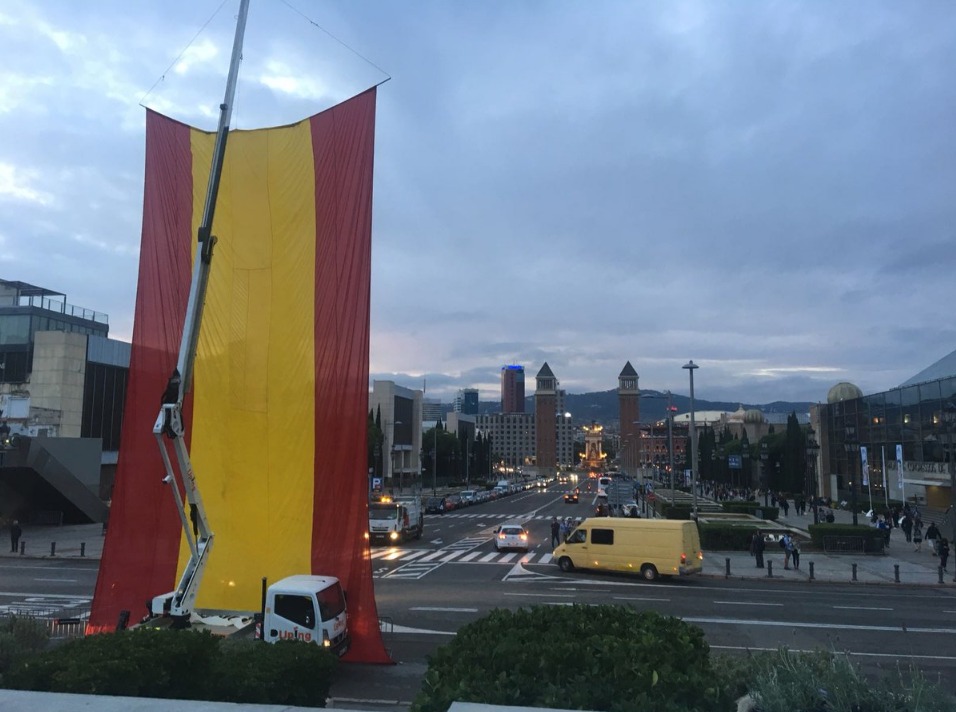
column 395, row 520
column 307, row 607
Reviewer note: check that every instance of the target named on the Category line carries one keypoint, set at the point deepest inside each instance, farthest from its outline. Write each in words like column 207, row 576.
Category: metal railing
column 62, row 625
column 834, row 544
column 61, row 307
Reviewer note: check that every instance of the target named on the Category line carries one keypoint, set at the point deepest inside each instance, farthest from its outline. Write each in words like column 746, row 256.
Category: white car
column 511, row 535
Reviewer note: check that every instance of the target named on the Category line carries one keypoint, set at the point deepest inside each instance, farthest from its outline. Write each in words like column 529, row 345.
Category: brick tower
column 629, row 403
column 545, row 421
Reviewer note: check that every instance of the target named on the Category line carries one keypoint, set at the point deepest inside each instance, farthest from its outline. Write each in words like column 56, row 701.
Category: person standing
column 785, row 544
column 943, row 552
column 918, row 535
column 906, row 524
column 932, row 536
column 756, row 547
column 555, row 532
column 15, row 533
column 795, row 553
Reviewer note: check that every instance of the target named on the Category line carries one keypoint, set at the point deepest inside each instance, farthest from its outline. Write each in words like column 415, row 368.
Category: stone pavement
column 64, row 542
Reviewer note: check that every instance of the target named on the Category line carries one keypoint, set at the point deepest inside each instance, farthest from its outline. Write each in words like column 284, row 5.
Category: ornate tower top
column 627, row 381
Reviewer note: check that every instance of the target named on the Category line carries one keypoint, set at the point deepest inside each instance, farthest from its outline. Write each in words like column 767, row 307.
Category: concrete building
column 512, row 389
column 512, row 438
column 466, row 401
column 897, row 445
column 400, row 464
column 62, row 393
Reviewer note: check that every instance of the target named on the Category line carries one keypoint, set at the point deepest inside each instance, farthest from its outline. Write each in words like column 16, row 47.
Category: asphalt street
column 427, row 589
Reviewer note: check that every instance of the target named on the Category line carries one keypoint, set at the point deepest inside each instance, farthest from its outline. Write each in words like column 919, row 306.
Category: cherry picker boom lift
column 179, row 604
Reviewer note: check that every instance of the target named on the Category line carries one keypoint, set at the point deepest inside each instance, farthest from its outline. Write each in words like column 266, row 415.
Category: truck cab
column 308, row 608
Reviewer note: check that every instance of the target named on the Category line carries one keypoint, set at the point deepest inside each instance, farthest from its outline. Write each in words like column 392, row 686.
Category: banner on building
column 899, row 465
column 865, row 467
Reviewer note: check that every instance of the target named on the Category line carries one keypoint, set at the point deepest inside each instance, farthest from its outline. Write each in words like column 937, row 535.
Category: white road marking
column 507, row 557
column 57, row 580
column 489, row 557
column 433, row 555
column 640, row 598
column 746, row 603
column 542, row 595
column 469, row 557
column 443, row 610
column 450, row 556
column 545, row 558
column 843, row 626
column 861, row 608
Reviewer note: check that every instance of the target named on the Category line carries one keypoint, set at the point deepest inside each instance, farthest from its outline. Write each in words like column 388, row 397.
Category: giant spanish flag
column 276, row 418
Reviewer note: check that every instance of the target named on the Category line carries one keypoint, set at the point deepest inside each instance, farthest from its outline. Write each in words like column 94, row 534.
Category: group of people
column 561, row 529
column 790, row 546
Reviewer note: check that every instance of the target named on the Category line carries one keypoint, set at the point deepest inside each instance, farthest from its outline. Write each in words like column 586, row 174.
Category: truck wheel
column 565, row 564
column 649, row 572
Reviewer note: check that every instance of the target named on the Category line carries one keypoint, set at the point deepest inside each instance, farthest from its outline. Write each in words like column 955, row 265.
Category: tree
column 793, row 465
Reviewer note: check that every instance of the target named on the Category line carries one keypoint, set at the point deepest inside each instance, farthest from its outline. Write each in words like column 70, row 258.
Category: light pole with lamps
column 852, row 446
column 691, row 367
column 813, row 448
column 949, row 425
column 764, row 472
column 670, row 428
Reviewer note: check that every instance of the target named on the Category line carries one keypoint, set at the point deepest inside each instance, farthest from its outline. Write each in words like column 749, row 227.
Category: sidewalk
column 915, row 567
column 64, row 542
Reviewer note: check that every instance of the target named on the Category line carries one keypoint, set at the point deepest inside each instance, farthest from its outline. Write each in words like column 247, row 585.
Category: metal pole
column 691, row 367
column 952, row 485
column 670, row 437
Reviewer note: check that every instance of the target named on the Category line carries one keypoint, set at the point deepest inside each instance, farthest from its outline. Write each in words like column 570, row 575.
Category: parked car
column 453, row 501
column 435, row 505
column 511, row 535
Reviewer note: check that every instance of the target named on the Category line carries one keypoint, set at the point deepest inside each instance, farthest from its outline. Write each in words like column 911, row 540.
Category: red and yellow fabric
column 276, row 418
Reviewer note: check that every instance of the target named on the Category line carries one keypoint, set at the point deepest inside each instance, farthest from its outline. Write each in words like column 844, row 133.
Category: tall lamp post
column 852, row 446
column 691, row 367
column 764, row 473
column 813, row 448
column 949, row 424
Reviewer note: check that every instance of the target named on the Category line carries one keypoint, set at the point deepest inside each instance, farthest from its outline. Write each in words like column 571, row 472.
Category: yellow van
column 650, row 547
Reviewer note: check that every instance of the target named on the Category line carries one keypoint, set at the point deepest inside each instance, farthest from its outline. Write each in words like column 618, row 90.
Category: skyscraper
column 512, row 389
column 467, row 401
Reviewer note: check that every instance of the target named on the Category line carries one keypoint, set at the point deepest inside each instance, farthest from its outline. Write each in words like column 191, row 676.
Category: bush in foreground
column 170, row 664
column 20, row 637
column 578, row 657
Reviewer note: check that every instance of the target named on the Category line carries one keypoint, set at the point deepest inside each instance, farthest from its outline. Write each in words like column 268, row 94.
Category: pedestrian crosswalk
column 498, row 515
column 430, row 558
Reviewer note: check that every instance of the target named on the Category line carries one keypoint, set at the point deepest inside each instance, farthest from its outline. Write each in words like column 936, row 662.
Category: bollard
column 940, row 568
column 811, row 571
column 896, row 572
column 769, row 569
column 728, row 567
column 854, row 572
column 23, row 548
column 52, row 548
column 82, row 548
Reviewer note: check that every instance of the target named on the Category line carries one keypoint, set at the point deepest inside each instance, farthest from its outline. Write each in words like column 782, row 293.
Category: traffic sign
column 734, row 462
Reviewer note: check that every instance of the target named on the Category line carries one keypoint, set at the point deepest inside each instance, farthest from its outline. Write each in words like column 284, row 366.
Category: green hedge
column 749, row 507
column 20, row 637
column 676, row 511
column 170, row 664
column 576, row 657
column 720, row 536
column 873, row 538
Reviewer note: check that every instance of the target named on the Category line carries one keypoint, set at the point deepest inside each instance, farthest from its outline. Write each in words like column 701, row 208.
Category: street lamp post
column 812, row 449
column 949, row 423
column 764, row 475
column 691, row 367
column 852, row 446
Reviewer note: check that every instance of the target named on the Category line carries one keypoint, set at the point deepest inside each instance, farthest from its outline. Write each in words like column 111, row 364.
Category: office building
column 512, row 389
column 466, row 401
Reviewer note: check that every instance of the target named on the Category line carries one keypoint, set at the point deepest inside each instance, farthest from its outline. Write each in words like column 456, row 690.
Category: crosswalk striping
column 414, row 561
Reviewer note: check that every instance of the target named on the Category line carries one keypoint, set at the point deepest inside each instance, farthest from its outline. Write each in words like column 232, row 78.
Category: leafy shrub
column 170, row 664
column 677, row 511
column 723, row 536
column 784, row 681
column 873, row 538
column 20, row 638
column 578, row 657
column 289, row 672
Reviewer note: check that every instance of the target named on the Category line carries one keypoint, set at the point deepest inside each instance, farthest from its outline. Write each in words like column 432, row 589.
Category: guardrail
column 833, row 544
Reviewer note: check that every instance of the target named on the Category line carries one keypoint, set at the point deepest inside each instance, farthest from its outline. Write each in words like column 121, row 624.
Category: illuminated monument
column 594, row 457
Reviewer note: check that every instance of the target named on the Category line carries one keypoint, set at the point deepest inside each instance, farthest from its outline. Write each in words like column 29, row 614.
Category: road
column 427, row 589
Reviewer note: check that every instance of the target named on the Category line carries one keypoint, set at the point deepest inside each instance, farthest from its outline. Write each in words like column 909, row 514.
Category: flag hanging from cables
column 276, row 418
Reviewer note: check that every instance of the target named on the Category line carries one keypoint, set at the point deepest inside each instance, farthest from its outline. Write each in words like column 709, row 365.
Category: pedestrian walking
column 932, row 536
column 555, row 532
column 795, row 553
column 918, row 535
column 943, row 552
column 906, row 524
column 786, row 544
column 15, row 533
column 757, row 546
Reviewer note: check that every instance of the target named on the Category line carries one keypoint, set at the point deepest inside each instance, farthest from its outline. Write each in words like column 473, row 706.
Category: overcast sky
column 766, row 188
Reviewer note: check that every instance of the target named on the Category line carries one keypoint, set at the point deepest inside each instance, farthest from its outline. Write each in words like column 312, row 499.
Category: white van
column 650, row 547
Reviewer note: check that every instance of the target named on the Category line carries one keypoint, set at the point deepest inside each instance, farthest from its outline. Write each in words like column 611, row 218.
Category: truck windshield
column 331, row 602
column 377, row 510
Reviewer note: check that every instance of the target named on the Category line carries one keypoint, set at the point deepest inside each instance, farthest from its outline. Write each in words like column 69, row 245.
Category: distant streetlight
column 691, row 367
column 813, row 448
column 948, row 421
column 765, row 474
column 852, row 446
